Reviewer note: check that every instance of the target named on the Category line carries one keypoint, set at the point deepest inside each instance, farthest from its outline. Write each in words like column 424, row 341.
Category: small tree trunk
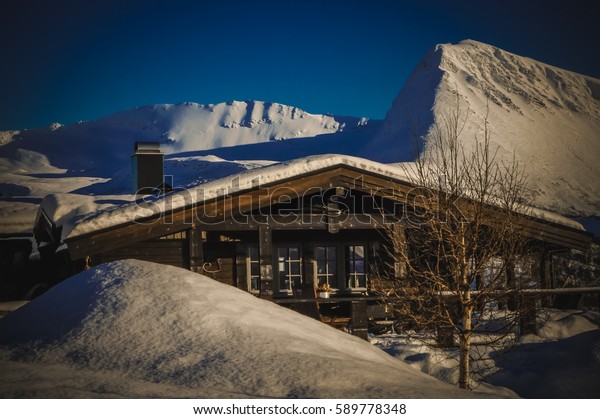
column 465, row 344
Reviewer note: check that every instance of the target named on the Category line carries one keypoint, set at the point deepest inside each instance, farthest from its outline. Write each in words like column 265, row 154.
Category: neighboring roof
column 85, row 215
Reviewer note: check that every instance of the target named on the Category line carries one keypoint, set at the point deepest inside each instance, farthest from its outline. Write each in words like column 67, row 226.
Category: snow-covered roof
column 79, row 215
column 85, row 218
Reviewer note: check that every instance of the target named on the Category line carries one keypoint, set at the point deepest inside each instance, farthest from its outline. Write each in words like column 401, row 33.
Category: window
column 356, row 273
column 290, row 268
column 326, row 258
column 253, row 269
column 174, row 236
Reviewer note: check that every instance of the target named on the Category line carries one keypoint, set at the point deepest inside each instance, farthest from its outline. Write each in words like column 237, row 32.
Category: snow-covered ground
column 562, row 361
column 138, row 329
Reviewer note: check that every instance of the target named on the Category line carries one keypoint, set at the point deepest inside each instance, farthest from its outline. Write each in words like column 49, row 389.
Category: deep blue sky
column 66, row 60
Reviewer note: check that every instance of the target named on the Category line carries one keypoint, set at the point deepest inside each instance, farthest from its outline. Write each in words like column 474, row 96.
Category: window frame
column 299, row 261
column 334, row 283
column 350, row 276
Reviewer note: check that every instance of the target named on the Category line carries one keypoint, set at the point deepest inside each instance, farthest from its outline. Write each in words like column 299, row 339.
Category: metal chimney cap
column 147, row 147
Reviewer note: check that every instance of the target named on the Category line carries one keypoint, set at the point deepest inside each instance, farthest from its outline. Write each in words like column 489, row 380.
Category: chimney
column 147, row 168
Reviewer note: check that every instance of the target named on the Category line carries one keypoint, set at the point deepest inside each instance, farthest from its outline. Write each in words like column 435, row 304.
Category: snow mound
column 562, row 325
column 138, row 329
column 547, row 116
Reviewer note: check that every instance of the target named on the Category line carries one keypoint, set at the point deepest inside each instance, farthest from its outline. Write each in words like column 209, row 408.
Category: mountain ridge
column 548, row 117
column 104, row 145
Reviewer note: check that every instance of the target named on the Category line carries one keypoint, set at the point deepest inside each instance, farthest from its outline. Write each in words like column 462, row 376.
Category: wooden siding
column 219, row 262
column 172, row 252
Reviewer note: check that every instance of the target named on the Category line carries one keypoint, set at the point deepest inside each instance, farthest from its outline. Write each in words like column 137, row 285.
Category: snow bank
column 566, row 368
column 562, row 361
column 138, row 329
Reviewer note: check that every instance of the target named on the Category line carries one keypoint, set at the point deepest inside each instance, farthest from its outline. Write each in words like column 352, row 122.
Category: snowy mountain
column 548, row 116
column 100, row 147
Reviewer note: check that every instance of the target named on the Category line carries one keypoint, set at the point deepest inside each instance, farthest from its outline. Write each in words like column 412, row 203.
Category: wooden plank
column 149, row 251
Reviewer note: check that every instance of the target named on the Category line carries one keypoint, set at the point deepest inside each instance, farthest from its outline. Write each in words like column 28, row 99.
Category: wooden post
column 196, row 250
column 511, row 285
column 527, row 314
column 360, row 319
column 545, row 273
column 333, row 212
column 265, row 244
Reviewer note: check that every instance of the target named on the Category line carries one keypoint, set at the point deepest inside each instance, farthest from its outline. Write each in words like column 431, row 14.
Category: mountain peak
column 548, row 116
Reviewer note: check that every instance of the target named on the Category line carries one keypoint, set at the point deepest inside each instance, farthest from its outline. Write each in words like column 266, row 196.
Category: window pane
column 253, row 253
column 331, row 267
column 356, row 252
column 361, row 281
column 283, row 253
column 254, row 269
column 294, row 253
column 295, row 266
column 320, row 253
column 359, row 266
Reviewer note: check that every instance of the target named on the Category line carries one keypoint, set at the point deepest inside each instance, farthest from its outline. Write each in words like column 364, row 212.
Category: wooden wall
column 174, row 252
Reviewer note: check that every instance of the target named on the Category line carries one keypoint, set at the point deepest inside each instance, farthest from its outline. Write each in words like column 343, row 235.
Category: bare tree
column 457, row 252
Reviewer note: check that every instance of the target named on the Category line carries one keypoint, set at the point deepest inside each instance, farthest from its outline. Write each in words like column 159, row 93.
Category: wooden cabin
column 277, row 232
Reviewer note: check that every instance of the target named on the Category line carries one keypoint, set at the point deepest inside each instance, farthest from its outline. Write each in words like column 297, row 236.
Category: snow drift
column 138, row 329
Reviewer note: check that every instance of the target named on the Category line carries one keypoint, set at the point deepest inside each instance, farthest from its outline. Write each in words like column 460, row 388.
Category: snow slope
column 547, row 116
column 138, row 329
